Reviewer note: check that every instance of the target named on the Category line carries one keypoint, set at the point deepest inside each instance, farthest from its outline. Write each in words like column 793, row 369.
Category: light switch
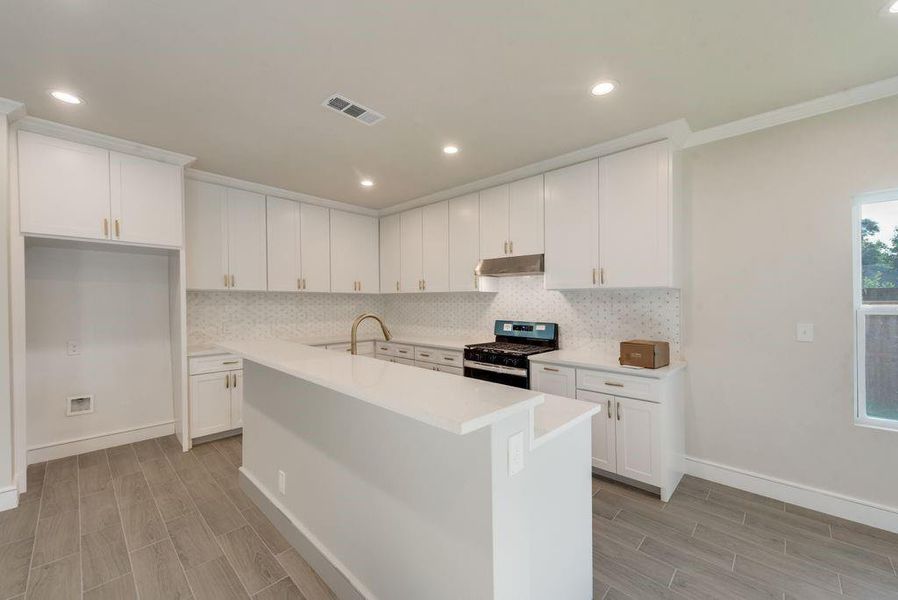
column 804, row 332
column 516, row 453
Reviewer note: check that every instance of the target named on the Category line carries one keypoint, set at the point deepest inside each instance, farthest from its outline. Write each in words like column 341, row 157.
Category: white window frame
column 862, row 311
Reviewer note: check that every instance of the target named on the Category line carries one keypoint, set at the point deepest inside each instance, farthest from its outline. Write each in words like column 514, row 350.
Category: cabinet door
column 63, row 187
column 464, row 242
column 638, row 444
column 435, row 244
column 635, row 217
column 354, row 253
column 368, row 254
column 207, row 236
column 146, row 200
column 411, row 250
column 390, row 249
column 552, row 379
column 525, row 216
column 315, row 248
column 604, row 443
column 282, row 217
column 210, row 403
column 246, row 240
column 236, row 399
column 494, row 222
column 572, row 222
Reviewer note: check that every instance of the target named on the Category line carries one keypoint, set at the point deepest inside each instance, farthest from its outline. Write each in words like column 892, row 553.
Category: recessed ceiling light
column 893, row 8
column 67, row 97
column 450, row 149
column 603, row 88
column 366, row 183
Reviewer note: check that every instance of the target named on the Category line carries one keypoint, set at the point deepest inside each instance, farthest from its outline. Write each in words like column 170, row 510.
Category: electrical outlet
column 804, row 332
column 282, row 482
column 73, row 348
column 516, row 453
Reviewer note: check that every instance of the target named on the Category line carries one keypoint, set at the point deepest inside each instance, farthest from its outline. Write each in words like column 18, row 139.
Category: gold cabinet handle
column 424, row 284
column 105, row 227
column 609, row 409
column 511, row 247
column 550, row 369
column 449, row 358
column 425, row 355
column 618, row 410
column 506, row 247
column 231, row 362
column 235, row 381
column 227, row 380
column 118, row 232
column 602, row 276
column 226, row 280
column 397, row 286
column 233, row 281
column 303, row 283
column 475, row 280
column 298, row 283
column 594, row 275
column 614, row 384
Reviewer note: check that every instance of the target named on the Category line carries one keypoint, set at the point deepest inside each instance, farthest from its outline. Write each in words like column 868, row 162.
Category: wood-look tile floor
column 147, row 521
column 712, row 541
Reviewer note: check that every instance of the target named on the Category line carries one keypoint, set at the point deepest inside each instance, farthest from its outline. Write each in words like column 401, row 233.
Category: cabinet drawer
column 452, row 358
column 363, row 347
column 394, row 349
column 212, row 364
column 617, row 385
column 553, row 379
column 451, row 370
column 401, row 361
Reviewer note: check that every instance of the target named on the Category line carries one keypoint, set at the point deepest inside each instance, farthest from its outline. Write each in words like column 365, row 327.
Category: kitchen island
column 396, row 482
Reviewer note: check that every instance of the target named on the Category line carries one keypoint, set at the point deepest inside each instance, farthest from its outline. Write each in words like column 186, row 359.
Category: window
column 876, row 308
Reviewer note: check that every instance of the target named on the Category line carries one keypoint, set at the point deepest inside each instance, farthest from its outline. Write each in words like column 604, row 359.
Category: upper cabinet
column 74, row 190
column 411, row 240
column 354, row 253
column 226, row 238
column 464, row 242
column 390, row 250
column 511, row 219
column 609, row 222
column 435, row 247
column 298, row 246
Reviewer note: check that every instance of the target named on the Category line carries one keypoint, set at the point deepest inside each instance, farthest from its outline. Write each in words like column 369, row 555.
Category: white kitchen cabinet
column 315, row 248
column 298, row 256
column 246, row 240
column 435, row 247
column 511, row 219
column 390, row 251
column 604, row 443
column 411, row 250
column 553, row 379
column 215, row 394
column 464, row 242
column 63, row 187
column 637, row 438
column 635, row 218
column 572, row 227
column 284, row 252
column 226, row 238
column 207, row 236
column 354, row 253
column 146, row 201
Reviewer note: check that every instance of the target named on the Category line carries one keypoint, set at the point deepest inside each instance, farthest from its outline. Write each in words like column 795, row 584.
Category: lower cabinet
column 424, row 357
column 553, row 379
column 216, row 395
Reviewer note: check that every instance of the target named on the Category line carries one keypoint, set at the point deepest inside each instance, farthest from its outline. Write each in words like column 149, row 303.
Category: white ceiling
column 239, row 83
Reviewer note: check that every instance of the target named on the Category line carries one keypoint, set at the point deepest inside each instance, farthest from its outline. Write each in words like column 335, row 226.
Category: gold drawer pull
column 227, row 380
column 231, row 362
column 613, row 384
column 550, row 369
column 425, row 354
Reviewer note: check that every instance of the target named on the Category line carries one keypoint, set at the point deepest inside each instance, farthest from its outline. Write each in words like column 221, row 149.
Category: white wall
column 116, row 304
column 770, row 237
column 6, row 438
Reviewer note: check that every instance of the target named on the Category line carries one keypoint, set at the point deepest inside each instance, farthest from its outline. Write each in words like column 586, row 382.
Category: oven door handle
column 471, row 364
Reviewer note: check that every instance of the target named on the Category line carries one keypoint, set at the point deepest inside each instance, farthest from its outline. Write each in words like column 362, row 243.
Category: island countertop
column 449, row 402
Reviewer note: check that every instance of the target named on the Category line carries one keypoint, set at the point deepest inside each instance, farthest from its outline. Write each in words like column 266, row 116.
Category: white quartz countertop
column 591, row 360
column 557, row 414
column 456, row 404
column 446, row 343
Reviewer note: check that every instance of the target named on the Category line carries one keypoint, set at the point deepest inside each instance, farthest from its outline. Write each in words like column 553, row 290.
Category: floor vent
column 352, row 109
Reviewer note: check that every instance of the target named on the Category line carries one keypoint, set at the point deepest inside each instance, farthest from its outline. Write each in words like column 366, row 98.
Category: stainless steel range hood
column 511, row 266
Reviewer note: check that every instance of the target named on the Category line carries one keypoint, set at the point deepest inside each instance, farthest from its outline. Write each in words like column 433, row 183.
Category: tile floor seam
column 121, row 520
column 272, row 584
column 672, row 575
column 203, row 519
column 841, row 587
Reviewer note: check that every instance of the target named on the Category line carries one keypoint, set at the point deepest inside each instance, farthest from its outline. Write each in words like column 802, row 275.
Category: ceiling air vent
column 353, row 110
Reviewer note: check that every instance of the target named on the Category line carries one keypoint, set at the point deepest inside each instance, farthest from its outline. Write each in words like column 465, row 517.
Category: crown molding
column 13, row 109
column 675, row 131
column 74, row 134
column 804, row 110
column 267, row 190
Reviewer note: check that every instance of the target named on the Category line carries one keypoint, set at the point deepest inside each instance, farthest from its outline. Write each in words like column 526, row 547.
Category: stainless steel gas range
column 506, row 360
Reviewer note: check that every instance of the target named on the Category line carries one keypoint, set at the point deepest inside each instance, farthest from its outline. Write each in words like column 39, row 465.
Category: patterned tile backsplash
column 595, row 320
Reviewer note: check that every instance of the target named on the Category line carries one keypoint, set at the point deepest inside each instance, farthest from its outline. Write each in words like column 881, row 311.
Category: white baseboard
column 344, row 585
column 98, row 441
column 9, row 497
column 831, row 503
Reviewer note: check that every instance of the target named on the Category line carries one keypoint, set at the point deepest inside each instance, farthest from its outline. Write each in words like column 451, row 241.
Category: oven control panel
column 527, row 329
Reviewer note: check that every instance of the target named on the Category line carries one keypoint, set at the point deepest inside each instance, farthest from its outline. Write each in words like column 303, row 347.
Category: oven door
column 513, row 376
